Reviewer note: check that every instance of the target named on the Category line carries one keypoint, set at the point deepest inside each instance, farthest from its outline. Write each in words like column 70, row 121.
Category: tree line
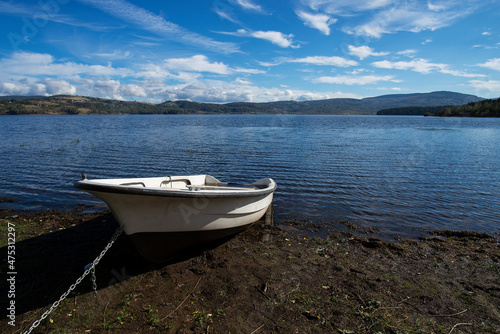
column 485, row 108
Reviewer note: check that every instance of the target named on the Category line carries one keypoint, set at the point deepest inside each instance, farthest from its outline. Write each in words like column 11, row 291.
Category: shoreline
column 264, row 280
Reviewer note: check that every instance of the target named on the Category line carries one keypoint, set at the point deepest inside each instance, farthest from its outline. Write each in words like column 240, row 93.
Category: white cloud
column 493, row 86
column 158, row 90
column 56, row 87
column 423, row 66
column 323, row 60
column 106, row 87
column 318, row 21
column 152, row 71
column 247, row 70
column 243, row 81
column 133, row 90
column 418, row 65
column 275, row 37
column 43, row 87
column 115, row 55
column 364, row 51
column 249, row 5
column 10, row 88
column 225, row 14
column 414, row 16
column 198, row 63
column 189, row 69
column 353, row 80
column 37, row 64
column 486, row 47
column 169, row 79
column 461, row 73
column 219, row 91
column 399, row 19
column 409, row 53
column 158, row 25
column 493, row 64
column 436, row 8
column 346, row 7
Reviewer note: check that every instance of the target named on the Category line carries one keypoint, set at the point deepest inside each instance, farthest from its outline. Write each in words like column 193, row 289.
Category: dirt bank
column 265, row 280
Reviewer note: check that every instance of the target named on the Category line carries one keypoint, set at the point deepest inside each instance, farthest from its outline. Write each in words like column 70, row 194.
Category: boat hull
column 161, row 221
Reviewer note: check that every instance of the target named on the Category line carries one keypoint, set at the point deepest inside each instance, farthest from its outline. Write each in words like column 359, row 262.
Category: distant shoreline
column 411, row 104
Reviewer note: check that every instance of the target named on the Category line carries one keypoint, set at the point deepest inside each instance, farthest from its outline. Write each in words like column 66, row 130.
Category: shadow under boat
column 49, row 264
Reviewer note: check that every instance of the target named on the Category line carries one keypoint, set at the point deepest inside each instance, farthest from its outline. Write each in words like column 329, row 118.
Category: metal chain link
column 94, row 282
column 115, row 236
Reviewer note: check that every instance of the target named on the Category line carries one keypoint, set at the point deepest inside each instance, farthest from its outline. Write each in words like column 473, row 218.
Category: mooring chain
column 94, row 282
column 88, row 268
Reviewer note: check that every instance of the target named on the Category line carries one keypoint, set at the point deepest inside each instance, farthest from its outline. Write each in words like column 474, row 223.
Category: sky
column 248, row 50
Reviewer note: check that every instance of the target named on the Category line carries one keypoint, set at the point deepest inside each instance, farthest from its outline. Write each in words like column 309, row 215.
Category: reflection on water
column 400, row 174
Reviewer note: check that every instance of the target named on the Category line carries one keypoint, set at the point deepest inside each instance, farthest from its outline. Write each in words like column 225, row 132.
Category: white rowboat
column 163, row 215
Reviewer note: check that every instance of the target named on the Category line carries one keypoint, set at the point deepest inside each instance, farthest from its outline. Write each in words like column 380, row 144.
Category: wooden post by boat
column 269, row 216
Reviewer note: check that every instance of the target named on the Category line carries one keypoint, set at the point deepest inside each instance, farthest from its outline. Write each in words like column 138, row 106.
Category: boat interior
column 192, row 183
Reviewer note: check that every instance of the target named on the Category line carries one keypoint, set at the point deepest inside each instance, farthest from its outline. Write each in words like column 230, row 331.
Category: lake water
column 399, row 174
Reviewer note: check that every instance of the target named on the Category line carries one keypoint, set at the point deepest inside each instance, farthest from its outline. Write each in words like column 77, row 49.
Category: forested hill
column 421, row 111
column 484, row 108
column 68, row 104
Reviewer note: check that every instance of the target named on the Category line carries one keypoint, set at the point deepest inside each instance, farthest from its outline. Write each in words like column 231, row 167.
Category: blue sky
column 248, row 50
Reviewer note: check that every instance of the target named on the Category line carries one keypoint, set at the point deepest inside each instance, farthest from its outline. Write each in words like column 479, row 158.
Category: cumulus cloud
column 43, row 87
column 56, row 87
column 168, row 79
column 319, row 21
column 17, row 88
column 29, row 63
column 133, row 90
column 183, row 69
column 238, row 90
column 106, row 87
column 364, row 51
column 353, row 80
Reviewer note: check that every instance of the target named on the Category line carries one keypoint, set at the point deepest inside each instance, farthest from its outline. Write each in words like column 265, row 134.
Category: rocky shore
column 264, row 280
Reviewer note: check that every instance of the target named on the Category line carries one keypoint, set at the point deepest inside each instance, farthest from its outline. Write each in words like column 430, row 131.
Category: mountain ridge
column 71, row 104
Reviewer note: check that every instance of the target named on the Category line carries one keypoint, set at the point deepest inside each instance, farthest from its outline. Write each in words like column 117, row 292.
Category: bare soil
column 264, row 280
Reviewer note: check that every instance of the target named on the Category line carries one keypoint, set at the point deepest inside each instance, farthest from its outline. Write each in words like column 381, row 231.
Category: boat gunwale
column 88, row 185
